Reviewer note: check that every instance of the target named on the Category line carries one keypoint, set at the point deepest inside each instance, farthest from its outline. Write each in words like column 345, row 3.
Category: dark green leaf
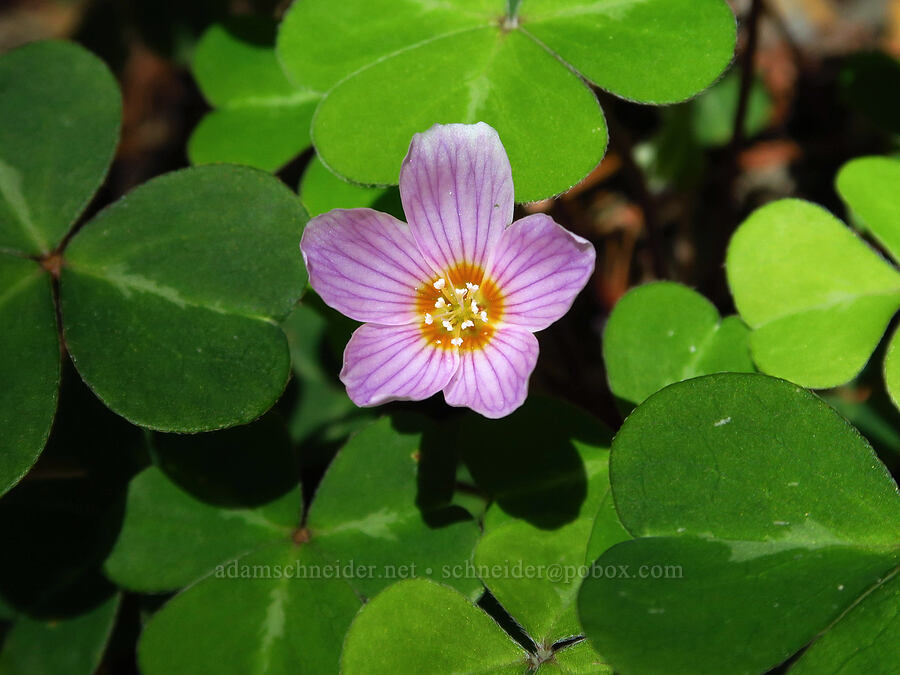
column 171, row 297
column 59, row 124
column 765, row 515
column 29, row 366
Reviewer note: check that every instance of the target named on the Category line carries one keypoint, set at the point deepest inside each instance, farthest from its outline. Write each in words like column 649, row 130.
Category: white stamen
column 472, row 287
column 456, row 341
column 446, row 324
column 428, row 319
column 474, row 306
column 461, row 292
column 483, row 315
column 467, row 324
column 440, row 283
column 440, row 302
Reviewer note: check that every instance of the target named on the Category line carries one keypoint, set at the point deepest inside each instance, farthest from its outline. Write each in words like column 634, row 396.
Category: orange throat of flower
column 459, row 309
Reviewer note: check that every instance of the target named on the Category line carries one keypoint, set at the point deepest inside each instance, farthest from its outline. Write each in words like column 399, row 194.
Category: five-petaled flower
column 451, row 300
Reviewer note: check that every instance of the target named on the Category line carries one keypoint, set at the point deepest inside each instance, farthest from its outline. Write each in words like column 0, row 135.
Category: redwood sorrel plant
column 333, row 339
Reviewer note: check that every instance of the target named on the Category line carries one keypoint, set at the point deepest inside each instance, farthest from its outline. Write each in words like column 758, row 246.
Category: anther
column 467, row 324
column 428, row 319
column 440, row 303
column 472, row 287
column 456, row 341
column 483, row 315
column 440, row 283
column 446, row 324
column 461, row 292
column 474, row 307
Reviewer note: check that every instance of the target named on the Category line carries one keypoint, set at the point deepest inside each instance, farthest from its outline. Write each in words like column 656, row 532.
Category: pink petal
column 457, row 192
column 539, row 267
column 365, row 264
column 394, row 363
column 493, row 380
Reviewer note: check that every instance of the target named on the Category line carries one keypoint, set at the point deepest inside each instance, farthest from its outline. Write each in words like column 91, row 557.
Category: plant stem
column 621, row 141
column 512, row 8
column 748, row 70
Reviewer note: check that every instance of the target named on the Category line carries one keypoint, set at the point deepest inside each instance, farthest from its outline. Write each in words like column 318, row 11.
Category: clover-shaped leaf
column 795, row 522
column 72, row 645
column 662, row 333
column 29, row 366
column 321, row 191
column 59, row 123
column 541, row 565
column 169, row 298
column 260, row 118
column 816, row 296
column 170, row 312
column 403, row 66
column 294, row 585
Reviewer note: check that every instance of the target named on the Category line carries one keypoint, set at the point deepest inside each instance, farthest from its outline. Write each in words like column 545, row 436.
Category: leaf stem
column 512, row 9
column 748, row 70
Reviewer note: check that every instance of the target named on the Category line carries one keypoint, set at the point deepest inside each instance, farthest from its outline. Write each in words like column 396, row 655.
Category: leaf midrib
column 161, row 291
column 848, row 298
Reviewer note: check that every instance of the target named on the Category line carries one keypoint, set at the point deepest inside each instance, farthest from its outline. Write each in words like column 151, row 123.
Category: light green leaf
column 73, row 646
column 419, row 626
column 664, row 332
column 321, row 43
column 320, row 191
column 59, row 124
column 869, row 186
column 29, row 366
column 540, row 568
column 817, row 298
column 170, row 538
column 892, row 368
column 170, row 298
column 395, row 69
column 379, row 507
column 864, row 640
column 484, row 74
column 259, row 614
column 651, row 51
column 764, row 515
column 575, row 659
column 261, row 119
column 538, row 464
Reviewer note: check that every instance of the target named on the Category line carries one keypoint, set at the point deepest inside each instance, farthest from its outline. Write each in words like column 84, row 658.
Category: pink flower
column 451, row 300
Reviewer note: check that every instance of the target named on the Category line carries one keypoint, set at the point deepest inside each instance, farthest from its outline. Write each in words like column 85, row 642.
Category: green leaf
column 715, row 110
column 170, row 538
column 321, row 43
column 817, row 298
column 29, row 366
column 484, row 74
column 764, row 515
column 664, row 332
column 258, row 614
column 73, row 646
column 653, row 51
column 537, row 464
column 395, row 69
column 320, row 191
column 280, row 595
column 865, row 638
column 540, row 568
column 419, row 626
column 59, row 124
column 170, row 298
column 869, row 186
column 261, row 119
column 379, row 507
